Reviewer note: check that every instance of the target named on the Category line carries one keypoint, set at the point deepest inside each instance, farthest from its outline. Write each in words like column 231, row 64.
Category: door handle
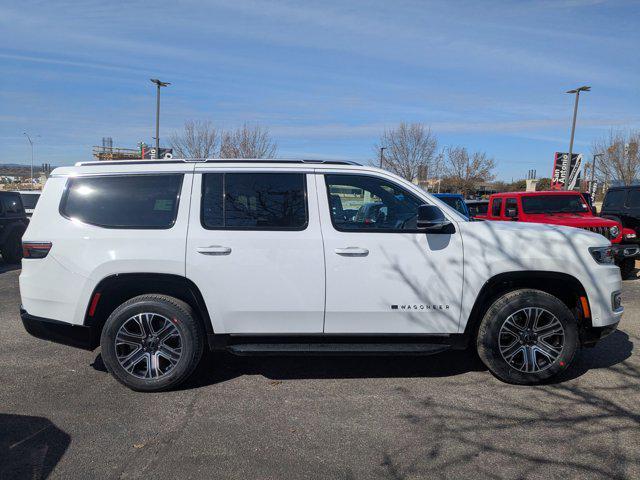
column 214, row 250
column 352, row 252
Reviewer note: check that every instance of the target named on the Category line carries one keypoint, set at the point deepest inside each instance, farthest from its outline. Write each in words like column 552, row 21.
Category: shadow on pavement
column 8, row 267
column 608, row 352
column 30, row 447
column 218, row 367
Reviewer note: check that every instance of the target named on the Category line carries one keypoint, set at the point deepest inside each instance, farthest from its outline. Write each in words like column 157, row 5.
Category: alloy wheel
column 148, row 345
column 531, row 339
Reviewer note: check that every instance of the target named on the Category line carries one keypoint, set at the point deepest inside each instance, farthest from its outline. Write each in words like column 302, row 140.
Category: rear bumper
column 78, row 336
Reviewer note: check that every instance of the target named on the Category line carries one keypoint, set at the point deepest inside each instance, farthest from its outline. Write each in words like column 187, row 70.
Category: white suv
column 156, row 260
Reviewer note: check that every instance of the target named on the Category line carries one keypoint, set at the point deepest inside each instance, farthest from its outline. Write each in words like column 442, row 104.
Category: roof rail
column 220, row 160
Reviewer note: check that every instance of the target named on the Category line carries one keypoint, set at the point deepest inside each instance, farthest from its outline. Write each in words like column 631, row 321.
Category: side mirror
column 511, row 213
column 432, row 220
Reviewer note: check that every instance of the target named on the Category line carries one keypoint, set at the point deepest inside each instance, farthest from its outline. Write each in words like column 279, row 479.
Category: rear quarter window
column 614, row 200
column 123, row 201
column 633, row 199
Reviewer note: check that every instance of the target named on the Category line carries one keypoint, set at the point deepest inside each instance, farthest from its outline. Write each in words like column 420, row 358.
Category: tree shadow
column 570, row 430
column 30, row 447
column 608, row 352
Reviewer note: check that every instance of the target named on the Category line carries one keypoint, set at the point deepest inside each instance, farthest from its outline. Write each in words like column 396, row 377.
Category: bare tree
column 248, row 142
column 620, row 159
column 464, row 172
column 200, row 139
column 410, row 150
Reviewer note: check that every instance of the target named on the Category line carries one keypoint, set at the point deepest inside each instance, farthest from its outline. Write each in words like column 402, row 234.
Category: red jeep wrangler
column 564, row 208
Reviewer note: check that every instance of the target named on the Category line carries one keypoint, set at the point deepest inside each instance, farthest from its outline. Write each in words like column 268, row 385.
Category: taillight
column 35, row 249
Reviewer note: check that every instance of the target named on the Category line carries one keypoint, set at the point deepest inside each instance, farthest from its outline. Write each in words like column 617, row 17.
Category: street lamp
column 31, row 143
column 382, row 149
column 159, row 84
column 577, row 91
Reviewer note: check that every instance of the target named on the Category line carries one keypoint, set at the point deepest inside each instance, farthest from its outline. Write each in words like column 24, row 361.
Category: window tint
column 362, row 203
column 456, row 203
column 123, row 201
column 511, row 203
column 254, row 201
column 11, row 204
column 478, row 209
column 633, row 199
column 30, row 200
column 614, row 199
column 554, row 204
column 496, row 205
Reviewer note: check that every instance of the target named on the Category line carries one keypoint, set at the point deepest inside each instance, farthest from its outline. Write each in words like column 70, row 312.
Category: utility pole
column 31, row 143
column 573, row 129
column 382, row 149
column 159, row 84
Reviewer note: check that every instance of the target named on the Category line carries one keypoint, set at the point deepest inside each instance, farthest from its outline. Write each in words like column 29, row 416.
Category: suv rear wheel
column 527, row 337
column 152, row 342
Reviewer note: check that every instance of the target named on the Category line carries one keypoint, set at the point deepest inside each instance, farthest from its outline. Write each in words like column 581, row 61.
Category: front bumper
column 627, row 250
column 79, row 336
column 591, row 335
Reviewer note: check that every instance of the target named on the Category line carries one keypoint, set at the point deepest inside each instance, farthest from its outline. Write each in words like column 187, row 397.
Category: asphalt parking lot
column 445, row 416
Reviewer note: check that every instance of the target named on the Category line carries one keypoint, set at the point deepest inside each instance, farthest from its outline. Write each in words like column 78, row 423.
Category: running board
column 337, row 348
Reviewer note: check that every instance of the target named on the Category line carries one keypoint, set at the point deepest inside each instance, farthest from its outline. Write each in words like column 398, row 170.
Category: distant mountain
column 19, row 169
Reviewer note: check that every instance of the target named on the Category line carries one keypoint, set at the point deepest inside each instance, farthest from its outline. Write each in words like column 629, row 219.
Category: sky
column 327, row 78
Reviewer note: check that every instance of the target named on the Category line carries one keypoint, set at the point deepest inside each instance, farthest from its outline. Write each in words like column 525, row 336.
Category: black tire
column 627, row 267
column 12, row 248
column 175, row 315
column 489, row 337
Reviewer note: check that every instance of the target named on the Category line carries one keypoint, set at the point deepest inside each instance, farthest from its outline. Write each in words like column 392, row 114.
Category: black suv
column 13, row 223
column 623, row 204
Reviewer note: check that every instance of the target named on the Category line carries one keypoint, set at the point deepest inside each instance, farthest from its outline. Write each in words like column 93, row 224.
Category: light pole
column 31, row 143
column 577, row 91
column 159, row 84
column 382, row 149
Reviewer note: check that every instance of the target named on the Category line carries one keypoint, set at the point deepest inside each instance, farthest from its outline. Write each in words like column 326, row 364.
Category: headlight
column 630, row 236
column 614, row 231
column 602, row 255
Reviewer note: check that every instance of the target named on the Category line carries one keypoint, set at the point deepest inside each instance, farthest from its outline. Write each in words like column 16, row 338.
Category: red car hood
column 571, row 220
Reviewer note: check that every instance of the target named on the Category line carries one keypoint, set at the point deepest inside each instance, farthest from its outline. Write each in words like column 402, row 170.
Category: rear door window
column 254, row 201
column 123, row 201
column 511, row 203
column 495, row 207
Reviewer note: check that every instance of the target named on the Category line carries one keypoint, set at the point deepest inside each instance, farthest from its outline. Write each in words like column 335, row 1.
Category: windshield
column 457, row 203
column 554, row 204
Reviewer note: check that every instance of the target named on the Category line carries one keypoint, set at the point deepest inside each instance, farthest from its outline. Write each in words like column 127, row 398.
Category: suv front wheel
column 152, row 342
column 527, row 337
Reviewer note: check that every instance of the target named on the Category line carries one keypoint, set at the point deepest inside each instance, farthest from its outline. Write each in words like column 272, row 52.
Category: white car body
column 302, row 282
